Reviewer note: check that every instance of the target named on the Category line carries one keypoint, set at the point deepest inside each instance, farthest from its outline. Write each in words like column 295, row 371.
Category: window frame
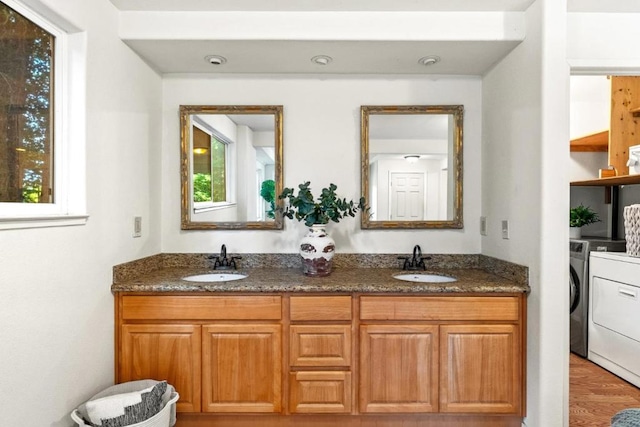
column 199, row 207
column 68, row 145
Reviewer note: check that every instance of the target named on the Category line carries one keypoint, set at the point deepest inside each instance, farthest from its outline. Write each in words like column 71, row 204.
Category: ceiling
column 419, row 127
column 608, row 6
column 602, row 6
column 349, row 57
column 325, row 5
column 367, row 49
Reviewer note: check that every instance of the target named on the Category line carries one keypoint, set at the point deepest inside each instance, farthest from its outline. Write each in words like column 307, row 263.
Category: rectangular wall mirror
column 412, row 166
column 231, row 166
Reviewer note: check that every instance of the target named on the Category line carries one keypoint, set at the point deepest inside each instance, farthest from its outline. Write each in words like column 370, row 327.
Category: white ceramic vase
column 317, row 250
column 575, row 232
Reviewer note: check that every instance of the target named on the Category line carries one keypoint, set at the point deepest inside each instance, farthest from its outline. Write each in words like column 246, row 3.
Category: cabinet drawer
column 320, row 308
column 320, row 345
column 616, row 306
column 439, row 308
column 320, row 392
column 137, row 307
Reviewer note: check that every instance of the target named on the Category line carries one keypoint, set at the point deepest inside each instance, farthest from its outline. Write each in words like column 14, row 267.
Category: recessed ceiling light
column 321, row 59
column 429, row 60
column 215, row 59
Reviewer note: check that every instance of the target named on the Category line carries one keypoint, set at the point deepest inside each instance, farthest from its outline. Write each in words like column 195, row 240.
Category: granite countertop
column 341, row 280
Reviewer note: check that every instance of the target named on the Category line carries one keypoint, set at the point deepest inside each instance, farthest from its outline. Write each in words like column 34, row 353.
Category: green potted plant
column 578, row 217
column 268, row 193
column 317, row 248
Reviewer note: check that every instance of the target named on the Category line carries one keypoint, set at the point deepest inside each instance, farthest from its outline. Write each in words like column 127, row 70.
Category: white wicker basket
column 632, row 229
column 161, row 419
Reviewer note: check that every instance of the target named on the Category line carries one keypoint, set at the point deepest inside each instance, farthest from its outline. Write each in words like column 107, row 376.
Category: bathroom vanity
column 356, row 348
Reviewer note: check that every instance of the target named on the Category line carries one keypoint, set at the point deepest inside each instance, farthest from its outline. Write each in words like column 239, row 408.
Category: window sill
column 42, row 221
column 213, row 207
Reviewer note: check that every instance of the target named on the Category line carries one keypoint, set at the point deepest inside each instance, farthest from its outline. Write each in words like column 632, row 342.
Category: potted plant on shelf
column 578, row 217
column 317, row 248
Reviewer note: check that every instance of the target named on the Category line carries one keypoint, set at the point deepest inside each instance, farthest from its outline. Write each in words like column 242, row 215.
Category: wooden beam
column 625, row 126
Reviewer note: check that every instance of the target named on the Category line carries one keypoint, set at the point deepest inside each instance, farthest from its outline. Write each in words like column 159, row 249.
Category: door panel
column 480, row 368
column 407, row 196
column 398, row 368
column 242, row 368
column 164, row 352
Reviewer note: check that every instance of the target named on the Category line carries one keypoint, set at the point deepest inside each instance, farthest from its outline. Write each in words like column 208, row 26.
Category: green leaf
column 328, row 206
column 581, row 215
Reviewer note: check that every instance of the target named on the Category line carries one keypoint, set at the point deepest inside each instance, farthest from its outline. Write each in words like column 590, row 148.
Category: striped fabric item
column 121, row 410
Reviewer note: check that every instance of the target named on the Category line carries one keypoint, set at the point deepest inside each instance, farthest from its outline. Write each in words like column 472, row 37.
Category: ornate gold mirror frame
column 228, row 153
column 419, row 144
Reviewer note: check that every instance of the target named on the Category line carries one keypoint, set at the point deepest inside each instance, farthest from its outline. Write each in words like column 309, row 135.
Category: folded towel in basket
column 127, row 403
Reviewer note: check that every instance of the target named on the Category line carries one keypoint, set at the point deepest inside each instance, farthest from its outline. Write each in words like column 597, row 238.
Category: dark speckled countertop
column 341, row 280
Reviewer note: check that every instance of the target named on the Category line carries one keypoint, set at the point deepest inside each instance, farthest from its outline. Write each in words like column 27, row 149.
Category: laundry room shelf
column 608, row 182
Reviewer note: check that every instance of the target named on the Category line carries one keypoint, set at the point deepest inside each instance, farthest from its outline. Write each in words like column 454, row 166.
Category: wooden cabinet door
column 242, row 368
column 164, row 352
column 398, row 368
column 480, row 369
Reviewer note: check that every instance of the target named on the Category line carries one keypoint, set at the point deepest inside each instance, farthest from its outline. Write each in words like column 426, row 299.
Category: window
column 26, row 110
column 210, row 160
column 202, row 190
column 41, row 160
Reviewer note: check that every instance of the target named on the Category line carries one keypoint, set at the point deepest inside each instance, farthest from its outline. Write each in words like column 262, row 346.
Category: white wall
column 589, row 105
column 589, row 112
column 603, row 42
column 56, row 321
column 525, row 159
column 322, row 145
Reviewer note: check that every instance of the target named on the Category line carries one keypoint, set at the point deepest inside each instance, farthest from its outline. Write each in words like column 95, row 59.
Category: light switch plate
column 483, row 225
column 505, row 229
column 137, row 226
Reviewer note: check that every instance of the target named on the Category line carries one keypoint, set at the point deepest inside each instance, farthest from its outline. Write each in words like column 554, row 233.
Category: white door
column 406, row 196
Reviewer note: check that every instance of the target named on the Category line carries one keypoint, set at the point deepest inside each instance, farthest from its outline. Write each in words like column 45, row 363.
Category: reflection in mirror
column 231, row 166
column 412, row 166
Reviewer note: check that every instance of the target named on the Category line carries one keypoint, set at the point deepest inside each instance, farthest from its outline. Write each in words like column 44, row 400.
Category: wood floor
column 595, row 394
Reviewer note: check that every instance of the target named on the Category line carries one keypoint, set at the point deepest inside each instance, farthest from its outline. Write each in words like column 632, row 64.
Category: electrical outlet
column 483, row 225
column 137, row 226
column 505, row 229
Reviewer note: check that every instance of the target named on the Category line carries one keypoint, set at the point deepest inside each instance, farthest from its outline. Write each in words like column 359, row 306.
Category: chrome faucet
column 222, row 262
column 416, row 262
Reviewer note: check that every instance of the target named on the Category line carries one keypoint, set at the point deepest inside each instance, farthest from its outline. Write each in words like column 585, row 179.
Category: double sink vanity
column 363, row 346
column 375, row 343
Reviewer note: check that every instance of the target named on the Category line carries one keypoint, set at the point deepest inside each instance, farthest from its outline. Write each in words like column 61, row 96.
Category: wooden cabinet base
column 352, row 361
column 422, row 420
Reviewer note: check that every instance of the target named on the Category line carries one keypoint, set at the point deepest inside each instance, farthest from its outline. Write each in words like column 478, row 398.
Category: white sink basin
column 425, row 278
column 215, row 277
